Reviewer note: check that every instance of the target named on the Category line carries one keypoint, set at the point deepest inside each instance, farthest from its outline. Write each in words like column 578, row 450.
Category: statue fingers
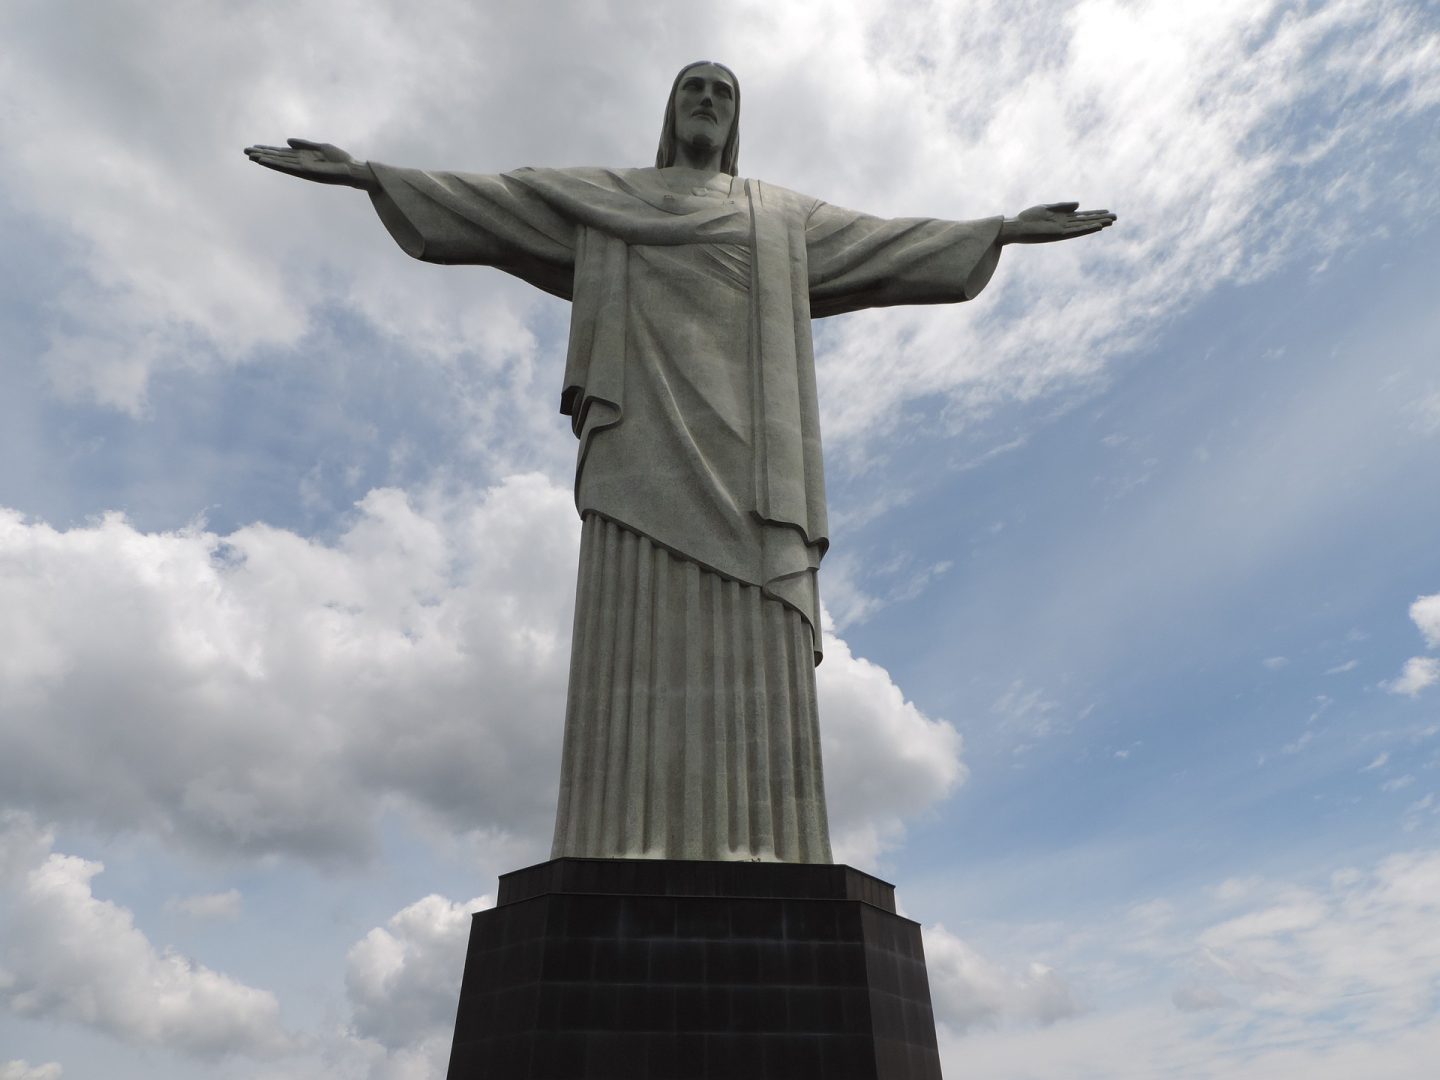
column 1063, row 207
column 288, row 163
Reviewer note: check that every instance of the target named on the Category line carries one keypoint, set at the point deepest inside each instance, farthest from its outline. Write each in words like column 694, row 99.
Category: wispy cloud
column 1260, row 979
column 224, row 905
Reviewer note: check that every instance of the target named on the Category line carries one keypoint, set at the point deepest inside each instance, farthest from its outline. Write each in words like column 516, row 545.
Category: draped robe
column 691, row 726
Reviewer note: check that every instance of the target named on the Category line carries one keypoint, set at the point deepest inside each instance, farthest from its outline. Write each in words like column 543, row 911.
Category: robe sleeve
column 486, row 220
column 858, row 261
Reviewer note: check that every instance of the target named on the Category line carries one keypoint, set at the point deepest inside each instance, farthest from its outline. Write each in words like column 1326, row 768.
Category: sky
column 1132, row 679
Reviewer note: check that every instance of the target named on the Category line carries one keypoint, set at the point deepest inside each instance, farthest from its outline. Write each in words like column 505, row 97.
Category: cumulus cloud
column 1425, row 613
column 885, row 761
column 263, row 692
column 1418, row 673
column 403, row 979
column 970, row 991
column 66, row 954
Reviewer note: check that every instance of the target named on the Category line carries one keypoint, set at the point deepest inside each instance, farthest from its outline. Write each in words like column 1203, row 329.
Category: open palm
column 1049, row 222
column 323, row 163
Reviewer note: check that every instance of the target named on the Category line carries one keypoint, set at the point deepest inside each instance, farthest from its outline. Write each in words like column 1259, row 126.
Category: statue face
column 704, row 107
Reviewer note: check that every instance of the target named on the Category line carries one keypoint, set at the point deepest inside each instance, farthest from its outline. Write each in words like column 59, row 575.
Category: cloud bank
column 261, row 692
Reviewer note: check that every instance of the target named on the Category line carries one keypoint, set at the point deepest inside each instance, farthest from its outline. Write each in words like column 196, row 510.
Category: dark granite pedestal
column 662, row 970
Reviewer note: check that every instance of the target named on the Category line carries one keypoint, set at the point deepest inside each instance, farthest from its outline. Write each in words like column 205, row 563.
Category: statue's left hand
column 1053, row 221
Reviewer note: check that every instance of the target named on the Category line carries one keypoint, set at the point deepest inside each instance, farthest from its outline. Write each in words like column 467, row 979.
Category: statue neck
column 701, row 158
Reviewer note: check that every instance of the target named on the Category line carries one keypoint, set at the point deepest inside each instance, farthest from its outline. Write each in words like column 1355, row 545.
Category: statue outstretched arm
column 1053, row 221
column 324, row 163
column 446, row 217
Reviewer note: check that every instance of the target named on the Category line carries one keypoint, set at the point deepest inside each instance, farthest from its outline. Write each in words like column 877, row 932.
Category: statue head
column 671, row 131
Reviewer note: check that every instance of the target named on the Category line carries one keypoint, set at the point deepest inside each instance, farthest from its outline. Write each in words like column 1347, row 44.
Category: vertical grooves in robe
column 691, row 730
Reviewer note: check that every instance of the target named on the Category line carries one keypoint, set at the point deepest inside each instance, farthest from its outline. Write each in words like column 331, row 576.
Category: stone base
column 665, row 970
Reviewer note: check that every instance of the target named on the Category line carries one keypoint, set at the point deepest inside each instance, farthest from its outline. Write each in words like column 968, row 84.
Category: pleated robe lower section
column 691, row 730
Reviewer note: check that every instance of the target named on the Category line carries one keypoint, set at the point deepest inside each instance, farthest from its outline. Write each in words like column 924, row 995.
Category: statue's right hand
column 322, row 162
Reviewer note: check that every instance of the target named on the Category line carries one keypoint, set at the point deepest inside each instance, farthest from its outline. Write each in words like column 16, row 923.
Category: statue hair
column 729, row 154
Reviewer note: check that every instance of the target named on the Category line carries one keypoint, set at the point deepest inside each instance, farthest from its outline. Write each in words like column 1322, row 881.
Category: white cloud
column 970, row 991
column 69, row 955
column 1275, row 663
column 224, row 905
column 1366, row 943
column 403, row 979
column 1377, row 762
column 23, row 1070
column 1418, row 673
column 885, row 760
column 1425, row 612
column 261, row 692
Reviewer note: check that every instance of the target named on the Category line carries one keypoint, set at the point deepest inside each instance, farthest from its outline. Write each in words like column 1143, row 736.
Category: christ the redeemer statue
column 691, row 729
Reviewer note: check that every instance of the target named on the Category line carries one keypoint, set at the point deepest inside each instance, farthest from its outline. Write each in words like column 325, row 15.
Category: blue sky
column 1134, row 585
